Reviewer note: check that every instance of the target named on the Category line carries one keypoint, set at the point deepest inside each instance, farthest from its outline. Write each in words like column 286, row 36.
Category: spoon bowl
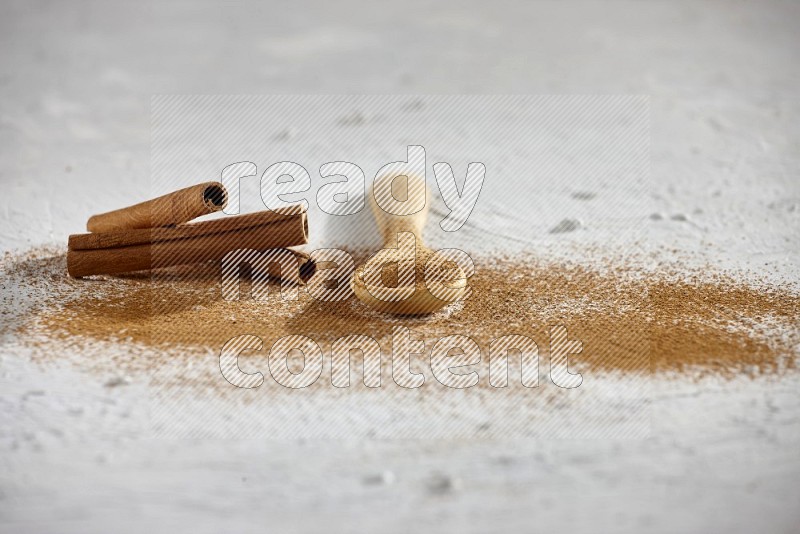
column 421, row 302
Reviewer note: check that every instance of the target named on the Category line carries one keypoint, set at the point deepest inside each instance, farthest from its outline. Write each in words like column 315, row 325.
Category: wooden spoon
column 411, row 296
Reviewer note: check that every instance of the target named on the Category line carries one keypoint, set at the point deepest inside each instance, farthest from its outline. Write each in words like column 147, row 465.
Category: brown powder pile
column 628, row 320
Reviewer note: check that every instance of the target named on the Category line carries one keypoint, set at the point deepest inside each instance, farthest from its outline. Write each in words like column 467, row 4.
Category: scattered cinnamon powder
column 629, row 320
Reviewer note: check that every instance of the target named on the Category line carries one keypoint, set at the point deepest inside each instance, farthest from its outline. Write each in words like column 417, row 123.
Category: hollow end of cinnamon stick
column 308, row 267
column 215, row 197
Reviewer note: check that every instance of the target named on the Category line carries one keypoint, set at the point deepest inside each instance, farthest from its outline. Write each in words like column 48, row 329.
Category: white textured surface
column 75, row 84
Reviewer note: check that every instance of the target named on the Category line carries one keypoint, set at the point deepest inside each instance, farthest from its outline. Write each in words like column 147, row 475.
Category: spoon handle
column 414, row 197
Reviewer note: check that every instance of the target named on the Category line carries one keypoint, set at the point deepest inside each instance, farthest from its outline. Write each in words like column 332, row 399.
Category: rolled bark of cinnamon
column 174, row 208
column 136, row 250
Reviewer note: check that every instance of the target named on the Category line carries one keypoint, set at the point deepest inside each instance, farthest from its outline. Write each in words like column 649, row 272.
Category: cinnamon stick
column 173, row 208
column 185, row 244
column 122, row 238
